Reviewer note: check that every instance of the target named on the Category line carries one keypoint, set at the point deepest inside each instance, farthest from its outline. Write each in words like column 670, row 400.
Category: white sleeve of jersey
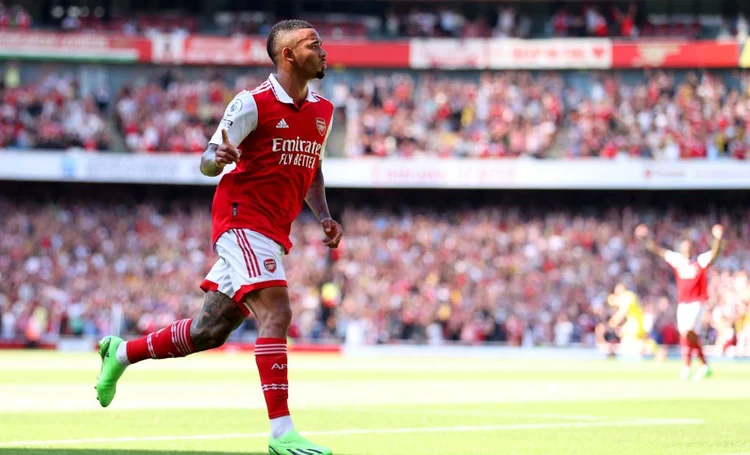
column 325, row 141
column 674, row 258
column 240, row 119
column 704, row 259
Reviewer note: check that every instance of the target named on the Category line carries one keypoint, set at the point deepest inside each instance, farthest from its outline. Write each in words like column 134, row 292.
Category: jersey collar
column 283, row 96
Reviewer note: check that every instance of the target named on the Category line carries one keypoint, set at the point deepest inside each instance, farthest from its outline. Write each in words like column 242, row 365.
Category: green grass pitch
column 212, row 404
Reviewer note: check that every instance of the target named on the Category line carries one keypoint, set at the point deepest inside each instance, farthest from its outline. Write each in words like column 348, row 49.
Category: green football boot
column 294, row 444
column 110, row 372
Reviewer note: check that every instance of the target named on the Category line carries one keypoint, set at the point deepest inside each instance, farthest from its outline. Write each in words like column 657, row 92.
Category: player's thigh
column 272, row 302
column 218, row 307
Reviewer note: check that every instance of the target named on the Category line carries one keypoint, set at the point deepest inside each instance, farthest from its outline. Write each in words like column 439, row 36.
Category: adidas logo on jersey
column 282, row 124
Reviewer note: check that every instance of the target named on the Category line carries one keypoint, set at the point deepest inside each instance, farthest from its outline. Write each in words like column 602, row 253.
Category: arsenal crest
column 270, row 265
column 321, row 124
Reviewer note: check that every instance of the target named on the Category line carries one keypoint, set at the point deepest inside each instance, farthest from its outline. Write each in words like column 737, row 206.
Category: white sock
column 281, row 426
column 122, row 354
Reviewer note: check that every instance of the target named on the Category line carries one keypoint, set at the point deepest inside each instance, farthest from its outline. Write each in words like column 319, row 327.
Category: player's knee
column 278, row 317
column 206, row 338
column 281, row 316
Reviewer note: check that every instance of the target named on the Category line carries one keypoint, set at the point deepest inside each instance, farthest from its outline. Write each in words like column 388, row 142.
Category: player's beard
column 320, row 74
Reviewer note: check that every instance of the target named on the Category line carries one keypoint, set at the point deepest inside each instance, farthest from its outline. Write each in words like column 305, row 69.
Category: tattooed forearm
column 316, row 196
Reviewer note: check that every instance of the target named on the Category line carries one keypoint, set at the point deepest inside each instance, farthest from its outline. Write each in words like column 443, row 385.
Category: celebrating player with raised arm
column 276, row 134
column 692, row 291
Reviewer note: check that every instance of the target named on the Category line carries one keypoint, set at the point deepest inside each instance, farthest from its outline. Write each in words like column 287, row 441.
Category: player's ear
column 287, row 54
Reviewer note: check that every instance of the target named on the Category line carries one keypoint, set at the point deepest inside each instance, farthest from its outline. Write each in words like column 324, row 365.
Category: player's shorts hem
column 208, row 285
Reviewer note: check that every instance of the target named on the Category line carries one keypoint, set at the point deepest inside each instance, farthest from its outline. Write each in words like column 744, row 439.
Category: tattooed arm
column 316, row 199
column 316, row 196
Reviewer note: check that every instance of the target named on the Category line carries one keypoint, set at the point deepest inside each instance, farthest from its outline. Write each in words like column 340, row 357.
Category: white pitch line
column 482, row 413
column 458, row 429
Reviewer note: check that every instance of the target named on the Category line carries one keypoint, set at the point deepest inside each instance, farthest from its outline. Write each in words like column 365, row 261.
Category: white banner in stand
column 392, row 172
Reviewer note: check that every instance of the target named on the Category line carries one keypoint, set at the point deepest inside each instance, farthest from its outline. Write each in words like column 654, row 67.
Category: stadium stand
column 51, row 114
column 515, row 270
column 664, row 115
column 389, row 20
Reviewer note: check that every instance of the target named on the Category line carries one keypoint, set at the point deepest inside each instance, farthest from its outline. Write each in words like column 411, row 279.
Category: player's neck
column 294, row 87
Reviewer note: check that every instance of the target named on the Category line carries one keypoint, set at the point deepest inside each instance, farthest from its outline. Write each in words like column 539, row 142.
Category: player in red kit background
column 276, row 135
column 692, row 291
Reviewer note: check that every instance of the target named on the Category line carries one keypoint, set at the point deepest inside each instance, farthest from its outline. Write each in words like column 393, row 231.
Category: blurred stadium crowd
column 399, row 20
column 494, row 273
column 665, row 115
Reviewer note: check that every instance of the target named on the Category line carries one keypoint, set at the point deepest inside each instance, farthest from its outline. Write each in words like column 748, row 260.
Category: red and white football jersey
column 281, row 145
column 692, row 285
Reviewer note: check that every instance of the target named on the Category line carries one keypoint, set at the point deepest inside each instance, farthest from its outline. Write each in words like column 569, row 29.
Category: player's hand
column 333, row 232
column 226, row 153
column 641, row 232
column 718, row 231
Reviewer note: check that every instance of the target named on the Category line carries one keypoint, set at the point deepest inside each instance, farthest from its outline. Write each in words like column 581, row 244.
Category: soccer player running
column 276, row 134
column 692, row 292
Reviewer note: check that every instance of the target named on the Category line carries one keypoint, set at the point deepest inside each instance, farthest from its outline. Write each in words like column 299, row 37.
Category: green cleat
column 294, row 444
column 110, row 372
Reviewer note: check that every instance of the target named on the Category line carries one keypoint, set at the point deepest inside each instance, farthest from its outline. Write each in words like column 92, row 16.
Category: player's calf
column 219, row 317
column 211, row 337
column 695, row 346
